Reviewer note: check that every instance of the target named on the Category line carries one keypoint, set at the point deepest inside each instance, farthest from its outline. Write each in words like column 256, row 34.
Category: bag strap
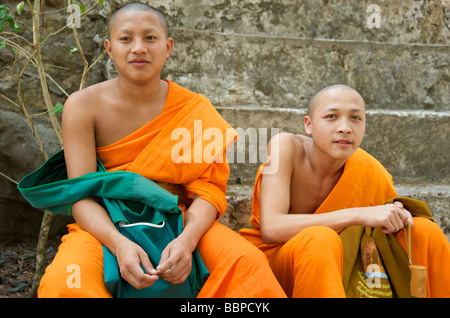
column 408, row 241
column 418, row 281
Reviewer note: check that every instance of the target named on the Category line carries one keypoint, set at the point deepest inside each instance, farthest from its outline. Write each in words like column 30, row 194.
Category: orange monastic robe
column 185, row 146
column 311, row 263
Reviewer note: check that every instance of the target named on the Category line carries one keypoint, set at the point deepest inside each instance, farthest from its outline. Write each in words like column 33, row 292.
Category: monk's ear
column 307, row 124
column 108, row 48
column 169, row 46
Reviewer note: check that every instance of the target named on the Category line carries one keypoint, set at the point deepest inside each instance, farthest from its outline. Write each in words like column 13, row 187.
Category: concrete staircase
column 259, row 63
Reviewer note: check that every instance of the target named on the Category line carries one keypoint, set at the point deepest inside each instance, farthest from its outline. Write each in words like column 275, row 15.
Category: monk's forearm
column 199, row 218
column 280, row 228
column 95, row 220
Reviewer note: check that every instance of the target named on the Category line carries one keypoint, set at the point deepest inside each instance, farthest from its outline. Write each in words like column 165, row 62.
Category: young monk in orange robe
column 316, row 187
column 170, row 135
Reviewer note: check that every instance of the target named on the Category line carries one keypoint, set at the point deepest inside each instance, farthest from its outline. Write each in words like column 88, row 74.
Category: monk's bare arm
column 79, row 149
column 278, row 226
column 78, row 124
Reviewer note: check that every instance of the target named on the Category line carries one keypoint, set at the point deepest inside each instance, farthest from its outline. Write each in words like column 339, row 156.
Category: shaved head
column 138, row 6
column 317, row 97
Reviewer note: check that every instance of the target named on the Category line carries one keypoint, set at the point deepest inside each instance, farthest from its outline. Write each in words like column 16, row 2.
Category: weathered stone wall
column 257, row 57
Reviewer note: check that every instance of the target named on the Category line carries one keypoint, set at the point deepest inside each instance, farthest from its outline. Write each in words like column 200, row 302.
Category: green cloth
column 129, row 198
column 394, row 258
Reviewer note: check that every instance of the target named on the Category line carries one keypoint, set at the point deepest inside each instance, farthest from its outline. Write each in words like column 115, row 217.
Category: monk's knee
column 76, row 271
column 320, row 240
column 426, row 229
column 320, row 235
column 251, row 256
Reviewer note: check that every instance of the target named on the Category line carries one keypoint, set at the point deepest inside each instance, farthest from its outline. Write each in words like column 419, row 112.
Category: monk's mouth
column 343, row 142
column 139, row 62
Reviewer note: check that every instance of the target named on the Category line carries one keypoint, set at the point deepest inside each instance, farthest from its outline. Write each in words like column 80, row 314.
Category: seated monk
column 129, row 123
column 311, row 188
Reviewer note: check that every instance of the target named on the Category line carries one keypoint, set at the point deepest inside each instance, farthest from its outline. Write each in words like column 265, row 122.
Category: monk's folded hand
column 130, row 258
column 405, row 215
column 390, row 217
column 176, row 262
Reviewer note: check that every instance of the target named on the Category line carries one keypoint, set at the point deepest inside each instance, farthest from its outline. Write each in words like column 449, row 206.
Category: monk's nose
column 344, row 127
column 139, row 48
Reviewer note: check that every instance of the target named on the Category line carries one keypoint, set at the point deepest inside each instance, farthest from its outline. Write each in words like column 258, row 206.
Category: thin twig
column 9, row 178
column 30, row 59
column 30, row 123
column 10, row 101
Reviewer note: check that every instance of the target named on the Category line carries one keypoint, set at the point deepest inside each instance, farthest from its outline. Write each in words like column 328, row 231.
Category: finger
column 405, row 214
column 408, row 218
column 393, row 222
column 398, row 219
column 146, row 264
column 147, row 280
column 180, row 278
column 175, row 266
column 138, row 279
column 177, row 274
column 388, row 228
column 399, row 204
column 135, row 275
column 166, row 265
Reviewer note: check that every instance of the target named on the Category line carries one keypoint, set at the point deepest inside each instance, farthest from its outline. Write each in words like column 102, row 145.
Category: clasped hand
column 390, row 217
column 174, row 267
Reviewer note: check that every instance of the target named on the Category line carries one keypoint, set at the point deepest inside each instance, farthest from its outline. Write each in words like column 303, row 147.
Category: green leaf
column 100, row 2
column 3, row 10
column 58, row 108
column 82, row 7
column 19, row 7
column 2, row 44
column 5, row 17
column 15, row 27
column 73, row 50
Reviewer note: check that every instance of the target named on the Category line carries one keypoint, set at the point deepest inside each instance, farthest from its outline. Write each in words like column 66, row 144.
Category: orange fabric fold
column 177, row 147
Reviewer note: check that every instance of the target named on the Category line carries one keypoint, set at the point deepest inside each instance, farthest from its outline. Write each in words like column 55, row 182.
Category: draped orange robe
column 184, row 146
column 310, row 264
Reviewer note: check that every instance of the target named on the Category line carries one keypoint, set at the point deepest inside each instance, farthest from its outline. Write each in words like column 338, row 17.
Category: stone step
column 412, row 145
column 260, row 69
column 399, row 21
column 278, row 53
column 437, row 196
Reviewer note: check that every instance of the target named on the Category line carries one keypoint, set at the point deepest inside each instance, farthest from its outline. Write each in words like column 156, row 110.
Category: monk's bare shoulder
column 87, row 104
column 283, row 153
column 86, row 98
column 288, row 145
